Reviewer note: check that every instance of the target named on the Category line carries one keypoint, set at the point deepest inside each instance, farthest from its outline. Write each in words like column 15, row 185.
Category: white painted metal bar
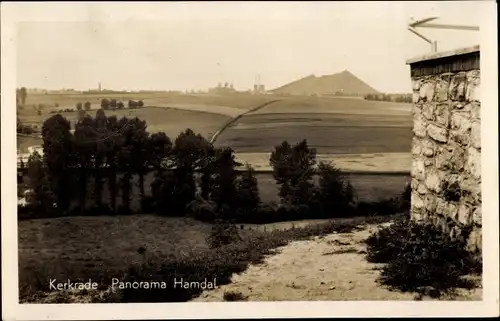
column 420, row 35
column 454, row 27
column 423, row 24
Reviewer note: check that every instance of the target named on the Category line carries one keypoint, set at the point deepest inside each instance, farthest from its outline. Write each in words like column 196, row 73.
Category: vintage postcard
column 249, row 159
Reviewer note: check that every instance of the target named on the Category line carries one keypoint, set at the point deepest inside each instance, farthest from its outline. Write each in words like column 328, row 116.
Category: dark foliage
column 293, row 171
column 233, row 296
column 421, row 257
column 335, row 194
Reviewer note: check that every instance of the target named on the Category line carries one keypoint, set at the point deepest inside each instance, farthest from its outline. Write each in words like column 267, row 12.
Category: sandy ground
column 325, row 269
column 380, row 162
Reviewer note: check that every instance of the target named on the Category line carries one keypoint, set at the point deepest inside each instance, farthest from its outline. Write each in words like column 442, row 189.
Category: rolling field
column 357, row 135
column 64, row 101
column 331, row 125
column 172, row 121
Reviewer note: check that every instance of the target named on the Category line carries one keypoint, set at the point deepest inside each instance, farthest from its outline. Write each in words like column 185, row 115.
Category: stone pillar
column 446, row 146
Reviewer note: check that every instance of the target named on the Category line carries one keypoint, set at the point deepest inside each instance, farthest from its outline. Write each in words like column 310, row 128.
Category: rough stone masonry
column 446, row 146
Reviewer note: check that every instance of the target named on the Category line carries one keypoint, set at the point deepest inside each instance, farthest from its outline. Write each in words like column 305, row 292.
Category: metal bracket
column 423, row 24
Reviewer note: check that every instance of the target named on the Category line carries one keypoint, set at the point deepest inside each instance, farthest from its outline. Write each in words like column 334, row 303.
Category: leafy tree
column 138, row 144
column 224, row 187
column 125, row 159
column 100, row 145
column 58, row 157
column 113, row 103
column 140, row 103
column 172, row 192
column 113, row 143
column 247, row 189
column 120, row 105
column 293, row 170
column 132, row 104
column 81, row 115
column 84, row 141
column 207, row 168
column 41, row 197
column 159, row 148
column 189, row 150
column 23, row 94
column 178, row 187
column 336, row 194
column 105, row 104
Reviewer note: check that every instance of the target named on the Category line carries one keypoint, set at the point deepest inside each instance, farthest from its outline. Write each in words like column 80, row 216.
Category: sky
column 179, row 46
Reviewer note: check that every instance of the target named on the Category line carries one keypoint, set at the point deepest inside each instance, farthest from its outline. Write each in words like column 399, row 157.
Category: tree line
column 388, row 97
column 191, row 176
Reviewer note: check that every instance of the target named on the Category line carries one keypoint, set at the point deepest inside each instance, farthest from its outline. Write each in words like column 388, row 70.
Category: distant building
column 227, row 89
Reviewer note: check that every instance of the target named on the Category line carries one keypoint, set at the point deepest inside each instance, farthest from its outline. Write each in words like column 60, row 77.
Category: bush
column 202, row 210
column 223, row 233
column 421, row 256
column 233, row 296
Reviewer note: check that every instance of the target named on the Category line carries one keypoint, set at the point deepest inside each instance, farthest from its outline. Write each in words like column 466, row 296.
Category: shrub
column 79, row 106
column 421, row 256
column 233, row 296
column 202, row 210
column 132, row 104
column 223, row 233
column 87, row 105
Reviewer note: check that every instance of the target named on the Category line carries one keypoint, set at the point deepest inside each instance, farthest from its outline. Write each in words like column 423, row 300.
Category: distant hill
column 341, row 84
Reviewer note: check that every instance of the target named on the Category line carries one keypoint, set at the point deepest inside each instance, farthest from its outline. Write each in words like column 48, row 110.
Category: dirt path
column 325, row 269
column 236, row 118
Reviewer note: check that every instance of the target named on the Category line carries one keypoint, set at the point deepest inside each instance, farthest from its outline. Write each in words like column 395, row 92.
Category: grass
column 143, row 247
column 329, row 133
column 170, row 121
column 368, row 188
column 95, row 247
column 297, row 104
column 242, row 101
column 422, row 258
column 374, row 163
column 333, row 125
